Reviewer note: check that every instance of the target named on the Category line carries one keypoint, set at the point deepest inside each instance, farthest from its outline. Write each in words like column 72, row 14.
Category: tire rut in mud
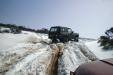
column 53, row 65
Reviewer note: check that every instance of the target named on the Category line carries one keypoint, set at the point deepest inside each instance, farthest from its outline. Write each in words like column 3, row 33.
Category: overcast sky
column 90, row 18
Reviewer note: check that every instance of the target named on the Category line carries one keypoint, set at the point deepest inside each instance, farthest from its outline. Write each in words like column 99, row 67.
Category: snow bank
column 9, row 40
column 98, row 51
column 23, row 54
column 74, row 54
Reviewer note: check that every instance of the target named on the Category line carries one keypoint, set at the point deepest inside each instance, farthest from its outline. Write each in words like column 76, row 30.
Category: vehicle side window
column 70, row 31
column 62, row 29
column 53, row 29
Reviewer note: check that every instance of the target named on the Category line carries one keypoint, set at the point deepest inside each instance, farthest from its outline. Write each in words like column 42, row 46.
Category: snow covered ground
column 98, row 51
column 29, row 53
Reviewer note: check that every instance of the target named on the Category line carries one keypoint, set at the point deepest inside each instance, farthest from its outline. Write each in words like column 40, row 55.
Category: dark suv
column 62, row 34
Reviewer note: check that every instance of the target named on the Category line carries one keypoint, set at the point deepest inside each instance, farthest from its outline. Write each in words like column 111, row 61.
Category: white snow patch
column 98, row 51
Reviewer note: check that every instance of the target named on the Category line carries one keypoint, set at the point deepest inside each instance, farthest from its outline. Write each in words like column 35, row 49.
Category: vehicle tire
column 62, row 40
column 66, row 40
column 54, row 41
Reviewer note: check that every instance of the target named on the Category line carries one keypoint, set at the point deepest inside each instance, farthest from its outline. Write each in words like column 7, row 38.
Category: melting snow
column 98, row 51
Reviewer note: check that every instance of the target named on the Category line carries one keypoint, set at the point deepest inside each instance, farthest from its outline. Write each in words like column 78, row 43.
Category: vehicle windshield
column 53, row 29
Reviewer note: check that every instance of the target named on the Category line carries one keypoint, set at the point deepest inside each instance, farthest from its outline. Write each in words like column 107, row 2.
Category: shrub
column 107, row 41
